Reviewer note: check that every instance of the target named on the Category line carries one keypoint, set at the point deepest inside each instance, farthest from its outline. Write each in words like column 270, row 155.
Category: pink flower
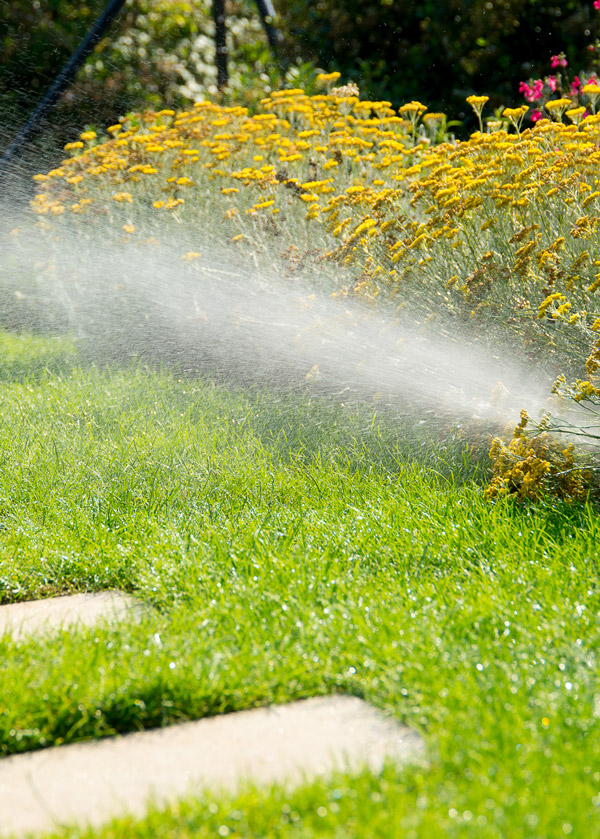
column 559, row 60
column 551, row 80
column 535, row 115
column 596, row 4
column 575, row 86
column 532, row 92
column 525, row 90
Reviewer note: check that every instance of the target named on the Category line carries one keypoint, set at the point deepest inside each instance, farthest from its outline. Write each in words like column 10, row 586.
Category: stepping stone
column 43, row 616
column 89, row 783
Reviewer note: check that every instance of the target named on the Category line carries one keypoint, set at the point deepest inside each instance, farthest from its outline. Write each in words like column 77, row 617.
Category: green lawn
column 288, row 548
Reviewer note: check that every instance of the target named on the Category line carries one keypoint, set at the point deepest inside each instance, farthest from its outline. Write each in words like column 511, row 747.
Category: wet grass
column 287, row 548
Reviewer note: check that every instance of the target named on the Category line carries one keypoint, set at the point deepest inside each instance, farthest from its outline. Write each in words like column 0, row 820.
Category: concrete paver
column 90, row 782
column 44, row 616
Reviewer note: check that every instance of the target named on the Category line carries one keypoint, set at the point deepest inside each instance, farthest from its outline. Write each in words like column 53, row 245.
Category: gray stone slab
column 54, row 613
column 90, row 782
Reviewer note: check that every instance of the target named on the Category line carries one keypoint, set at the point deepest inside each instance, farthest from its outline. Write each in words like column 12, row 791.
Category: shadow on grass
column 30, row 357
column 301, row 425
column 362, row 435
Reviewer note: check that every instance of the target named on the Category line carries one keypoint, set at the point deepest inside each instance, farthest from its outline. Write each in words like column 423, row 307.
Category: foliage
column 156, row 51
column 438, row 52
column 531, row 465
column 162, row 51
column 581, row 91
column 495, row 235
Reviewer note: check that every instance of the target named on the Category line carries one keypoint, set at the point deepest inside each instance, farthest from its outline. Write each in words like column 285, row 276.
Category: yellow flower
column 516, row 112
column 367, row 224
column 477, row 102
column 557, row 107
column 129, row 228
column 516, row 116
column 328, row 77
column 412, row 108
column 595, row 285
column 592, row 91
column 576, row 114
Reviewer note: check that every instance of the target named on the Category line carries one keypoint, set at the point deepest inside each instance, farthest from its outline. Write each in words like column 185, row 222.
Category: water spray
column 59, row 85
column 220, row 314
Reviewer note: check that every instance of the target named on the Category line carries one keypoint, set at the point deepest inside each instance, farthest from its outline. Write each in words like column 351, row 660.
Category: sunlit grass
column 286, row 548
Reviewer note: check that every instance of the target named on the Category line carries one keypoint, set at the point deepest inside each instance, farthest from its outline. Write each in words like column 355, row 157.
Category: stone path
column 89, row 783
column 35, row 616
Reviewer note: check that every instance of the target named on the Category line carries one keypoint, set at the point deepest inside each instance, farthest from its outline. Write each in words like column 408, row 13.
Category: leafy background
column 161, row 51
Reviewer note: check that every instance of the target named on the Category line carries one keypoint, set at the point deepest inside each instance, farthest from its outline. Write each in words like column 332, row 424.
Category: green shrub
column 438, row 52
column 156, row 51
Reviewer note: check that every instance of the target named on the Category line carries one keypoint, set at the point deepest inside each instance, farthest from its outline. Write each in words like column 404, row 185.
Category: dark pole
column 218, row 10
column 62, row 81
column 267, row 16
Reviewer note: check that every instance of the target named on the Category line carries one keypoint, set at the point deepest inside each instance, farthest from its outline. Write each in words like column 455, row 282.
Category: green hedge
column 161, row 51
column 156, row 52
column 437, row 52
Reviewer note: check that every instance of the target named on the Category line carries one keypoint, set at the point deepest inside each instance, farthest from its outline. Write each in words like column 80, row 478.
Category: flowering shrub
column 430, row 51
column 535, row 463
column 156, row 52
column 497, row 234
column 581, row 90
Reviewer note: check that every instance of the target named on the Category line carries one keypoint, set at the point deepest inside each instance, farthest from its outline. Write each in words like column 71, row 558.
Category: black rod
column 266, row 11
column 218, row 10
column 62, row 81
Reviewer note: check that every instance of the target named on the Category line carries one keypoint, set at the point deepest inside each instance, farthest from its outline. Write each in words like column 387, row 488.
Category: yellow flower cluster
column 529, row 467
column 286, row 150
column 499, row 231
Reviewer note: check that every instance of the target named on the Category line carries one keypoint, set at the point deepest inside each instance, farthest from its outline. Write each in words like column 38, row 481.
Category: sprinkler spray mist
column 214, row 312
